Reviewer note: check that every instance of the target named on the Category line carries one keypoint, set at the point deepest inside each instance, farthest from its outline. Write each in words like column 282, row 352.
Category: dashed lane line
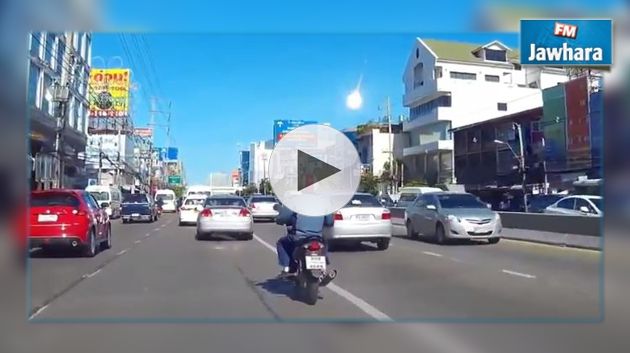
column 518, row 274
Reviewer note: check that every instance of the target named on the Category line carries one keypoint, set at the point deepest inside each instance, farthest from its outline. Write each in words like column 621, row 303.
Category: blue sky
column 226, row 90
column 228, row 84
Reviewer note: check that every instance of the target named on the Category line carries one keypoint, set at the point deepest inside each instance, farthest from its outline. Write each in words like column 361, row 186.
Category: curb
column 557, row 244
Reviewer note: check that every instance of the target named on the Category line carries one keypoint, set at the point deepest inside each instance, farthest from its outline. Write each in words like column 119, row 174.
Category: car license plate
column 135, row 215
column 363, row 217
column 315, row 262
column 47, row 218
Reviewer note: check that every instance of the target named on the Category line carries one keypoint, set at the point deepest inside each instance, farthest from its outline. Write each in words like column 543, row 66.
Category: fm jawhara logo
column 566, row 42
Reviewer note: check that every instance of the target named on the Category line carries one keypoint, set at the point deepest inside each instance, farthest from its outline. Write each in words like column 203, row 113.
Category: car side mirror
column 584, row 209
column 276, row 207
column 431, row 207
column 105, row 205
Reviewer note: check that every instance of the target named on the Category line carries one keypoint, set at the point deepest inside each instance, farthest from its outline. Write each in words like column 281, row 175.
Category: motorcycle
column 310, row 261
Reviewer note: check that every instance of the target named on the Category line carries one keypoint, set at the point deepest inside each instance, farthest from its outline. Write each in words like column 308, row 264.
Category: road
column 158, row 273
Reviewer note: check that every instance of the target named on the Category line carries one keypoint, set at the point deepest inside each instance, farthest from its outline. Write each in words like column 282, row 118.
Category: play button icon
column 314, row 170
column 321, row 170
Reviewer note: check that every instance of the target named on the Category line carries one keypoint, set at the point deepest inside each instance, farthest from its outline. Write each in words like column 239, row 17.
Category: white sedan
column 225, row 215
column 363, row 219
column 190, row 209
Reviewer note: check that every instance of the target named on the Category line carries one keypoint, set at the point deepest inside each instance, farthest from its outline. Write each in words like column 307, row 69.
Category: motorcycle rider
column 299, row 227
column 159, row 202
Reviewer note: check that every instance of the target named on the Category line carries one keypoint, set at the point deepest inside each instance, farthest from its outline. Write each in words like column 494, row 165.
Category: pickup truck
column 138, row 207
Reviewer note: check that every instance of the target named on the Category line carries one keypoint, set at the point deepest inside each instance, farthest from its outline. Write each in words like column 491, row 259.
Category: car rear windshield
column 50, row 199
column 135, row 198
column 407, row 197
column 264, row 199
column 100, row 195
column 460, row 201
column 365, row 200
column 194, row 202
column 165, row 197
column 224, row 202
column 207, row 193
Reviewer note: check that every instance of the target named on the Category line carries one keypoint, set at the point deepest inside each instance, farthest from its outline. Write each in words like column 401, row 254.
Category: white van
column 408, row 194
column 108, row 197
column 196, row 190
column 169, row 198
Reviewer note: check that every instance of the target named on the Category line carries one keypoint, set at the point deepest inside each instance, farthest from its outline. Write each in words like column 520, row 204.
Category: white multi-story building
column 259, row 155
column 452, row 84
column 373, row 145
column 63, row 58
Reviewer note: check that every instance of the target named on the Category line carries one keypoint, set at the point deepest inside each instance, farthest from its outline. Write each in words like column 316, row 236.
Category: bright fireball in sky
column 354, row 100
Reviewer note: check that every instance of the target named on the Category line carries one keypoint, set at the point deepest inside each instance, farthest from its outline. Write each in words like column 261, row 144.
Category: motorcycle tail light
column 314, row 246
column 206, row 213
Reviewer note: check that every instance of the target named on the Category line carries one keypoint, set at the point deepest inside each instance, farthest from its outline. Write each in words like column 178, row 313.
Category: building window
column 463, row 75
column 507, row 77
column 36, row 44
column 33, row 80
column 61, row 49
column 47, row 104
column 417, row 52
column 429, row 107
column 493, row 78
column 502, row 106
column 418, row 75
column 50, row 49
column 438, row 71
column 496, row 55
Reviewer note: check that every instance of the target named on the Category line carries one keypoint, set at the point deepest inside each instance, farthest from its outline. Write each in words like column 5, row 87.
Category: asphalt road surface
column 214, row 295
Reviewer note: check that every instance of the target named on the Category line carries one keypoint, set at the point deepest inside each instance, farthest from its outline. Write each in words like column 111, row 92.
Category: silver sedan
column 225, row 215
column 449, row 215
column 363, row 219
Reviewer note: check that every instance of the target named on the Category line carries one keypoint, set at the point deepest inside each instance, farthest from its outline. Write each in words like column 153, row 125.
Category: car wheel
column 411, row 233
column 383, row 244
column 440, row 237
column 494, row 240
column 199, row 236
column 107, row 244
column 248, row 236
column 125, row 221
column 89, row 249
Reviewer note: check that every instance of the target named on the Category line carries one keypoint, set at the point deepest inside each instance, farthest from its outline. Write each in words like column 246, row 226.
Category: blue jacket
column 301, row 226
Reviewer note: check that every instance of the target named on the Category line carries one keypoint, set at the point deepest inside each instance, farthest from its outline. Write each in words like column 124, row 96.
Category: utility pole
column 390, row 152
column 61, row 96
column 522, row 165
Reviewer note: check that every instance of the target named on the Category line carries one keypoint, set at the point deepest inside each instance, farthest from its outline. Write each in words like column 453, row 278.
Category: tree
column 265, row 187
column 369, row 183
column 178, row 190
column 416, row 182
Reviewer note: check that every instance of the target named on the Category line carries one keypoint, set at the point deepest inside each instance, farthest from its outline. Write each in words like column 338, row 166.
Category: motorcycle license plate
column 315, row 262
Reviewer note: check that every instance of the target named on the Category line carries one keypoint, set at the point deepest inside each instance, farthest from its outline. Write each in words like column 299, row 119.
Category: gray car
column 450, row 215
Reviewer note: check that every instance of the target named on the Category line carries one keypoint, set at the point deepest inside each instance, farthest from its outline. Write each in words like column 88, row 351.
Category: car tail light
column 206, row 213
column 314, row 246
column 252, row 205
column 386, row 215
column 79, row 213
column 338, row 217
column 244, row 212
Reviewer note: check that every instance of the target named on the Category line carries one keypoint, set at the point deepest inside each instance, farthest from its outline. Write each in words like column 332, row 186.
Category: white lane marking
column 219, row 247
column 163, row 225
column 358, row 302
column 122, row 252
column 147, row 235
column 39, row 311
column 432, row 253
column 156, row 229
column 137, row 241
column 519, row 274
column 93, row 273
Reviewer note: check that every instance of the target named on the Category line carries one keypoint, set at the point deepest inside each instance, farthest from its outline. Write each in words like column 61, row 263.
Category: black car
column 138, row 207
column 538, row 203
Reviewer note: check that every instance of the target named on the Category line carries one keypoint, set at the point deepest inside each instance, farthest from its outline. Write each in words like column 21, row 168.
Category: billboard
column 167, row 153
column 143, row 132
column 109, row 93
column 172, row 169
column 282, row 127
column 174, row 180
column 578, row 127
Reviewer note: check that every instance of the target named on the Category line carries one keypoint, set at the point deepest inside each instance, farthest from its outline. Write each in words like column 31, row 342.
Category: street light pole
column 522, row 165
column 390, row 151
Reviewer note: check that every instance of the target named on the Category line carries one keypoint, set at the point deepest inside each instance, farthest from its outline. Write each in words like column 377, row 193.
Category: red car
column 70, row 218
